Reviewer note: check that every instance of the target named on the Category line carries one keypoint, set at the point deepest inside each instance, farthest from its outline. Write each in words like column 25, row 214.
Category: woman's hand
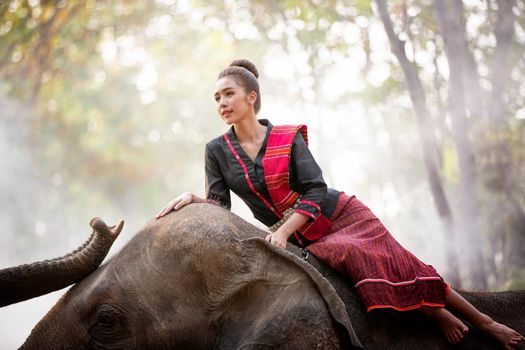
column 278, row 238
column 179, row 202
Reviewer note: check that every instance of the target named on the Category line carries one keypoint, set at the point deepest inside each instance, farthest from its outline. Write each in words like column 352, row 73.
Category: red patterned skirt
column 385, row 274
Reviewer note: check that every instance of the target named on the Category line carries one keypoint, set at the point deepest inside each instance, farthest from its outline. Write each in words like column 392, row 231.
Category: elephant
column 204, row 278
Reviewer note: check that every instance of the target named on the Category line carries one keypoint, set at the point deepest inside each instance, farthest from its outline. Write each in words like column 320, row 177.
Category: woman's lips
column 226, row 113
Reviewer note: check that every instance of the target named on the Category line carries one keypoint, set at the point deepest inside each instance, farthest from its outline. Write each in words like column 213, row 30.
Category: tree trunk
column 504, row 32
column 467, row 164
column 506, row 204
column 417, row 96
column 475, row 97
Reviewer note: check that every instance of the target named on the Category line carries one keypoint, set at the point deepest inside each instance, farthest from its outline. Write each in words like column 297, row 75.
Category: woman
column 272, row 170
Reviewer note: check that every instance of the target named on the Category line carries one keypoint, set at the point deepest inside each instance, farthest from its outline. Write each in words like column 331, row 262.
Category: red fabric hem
column 404, row 297
column 399, row 284
column 447, row 290
column 304, row 212
column 407, row 308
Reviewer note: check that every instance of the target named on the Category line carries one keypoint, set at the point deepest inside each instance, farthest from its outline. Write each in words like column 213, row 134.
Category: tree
column 426, row 131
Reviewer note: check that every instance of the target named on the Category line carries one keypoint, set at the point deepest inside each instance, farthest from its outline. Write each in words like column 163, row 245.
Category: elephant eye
column 109, row 329
column 105, row 320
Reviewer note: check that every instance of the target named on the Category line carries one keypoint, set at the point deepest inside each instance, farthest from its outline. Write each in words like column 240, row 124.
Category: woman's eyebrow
column 226, row 88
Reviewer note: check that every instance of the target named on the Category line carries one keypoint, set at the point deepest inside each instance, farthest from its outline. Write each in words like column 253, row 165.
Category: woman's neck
column 249, row 130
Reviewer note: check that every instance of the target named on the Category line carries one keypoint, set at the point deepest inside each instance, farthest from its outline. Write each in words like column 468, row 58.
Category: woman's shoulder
column 216, row 143
column 300, row 131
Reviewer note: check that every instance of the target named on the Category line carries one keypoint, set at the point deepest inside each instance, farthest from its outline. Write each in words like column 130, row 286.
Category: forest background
column 415, row 106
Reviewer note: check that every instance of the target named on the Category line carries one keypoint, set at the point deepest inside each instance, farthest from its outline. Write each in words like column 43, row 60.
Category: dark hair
column 245, row 74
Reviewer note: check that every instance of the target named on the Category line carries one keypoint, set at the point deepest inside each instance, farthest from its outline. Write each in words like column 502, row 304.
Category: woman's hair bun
column 245, row 74
column 244, row 63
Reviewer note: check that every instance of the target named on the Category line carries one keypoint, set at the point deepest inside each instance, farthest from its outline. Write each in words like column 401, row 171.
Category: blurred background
column 415, row 106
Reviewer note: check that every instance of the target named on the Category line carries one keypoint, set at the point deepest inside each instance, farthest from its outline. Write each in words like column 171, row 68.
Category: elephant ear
column 280, row 301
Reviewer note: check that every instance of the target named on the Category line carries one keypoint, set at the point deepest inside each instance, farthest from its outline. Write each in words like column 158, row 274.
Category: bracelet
column 286, row 214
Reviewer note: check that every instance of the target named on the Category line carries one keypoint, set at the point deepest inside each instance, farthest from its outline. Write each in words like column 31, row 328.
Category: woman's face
column 233, row 103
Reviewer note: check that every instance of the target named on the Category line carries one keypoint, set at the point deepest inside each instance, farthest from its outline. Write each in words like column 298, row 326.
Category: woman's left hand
column 278, row 238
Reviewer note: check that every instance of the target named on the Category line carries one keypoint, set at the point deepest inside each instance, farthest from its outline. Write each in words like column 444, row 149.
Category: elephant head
column 199, row 278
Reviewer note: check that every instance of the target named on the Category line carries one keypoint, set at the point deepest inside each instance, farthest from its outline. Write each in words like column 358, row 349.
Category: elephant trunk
column 32, row 280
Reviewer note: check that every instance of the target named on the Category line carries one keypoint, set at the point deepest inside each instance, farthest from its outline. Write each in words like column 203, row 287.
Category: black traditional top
column 224, row 173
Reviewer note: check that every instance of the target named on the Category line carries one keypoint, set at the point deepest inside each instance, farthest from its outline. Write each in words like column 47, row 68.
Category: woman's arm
column 217, row 191
column 307, row 179
column 280, row 237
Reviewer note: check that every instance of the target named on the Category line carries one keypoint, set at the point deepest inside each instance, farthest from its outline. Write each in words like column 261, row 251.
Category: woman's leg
column 450, row 325
column 505, row 335
column 454, row 329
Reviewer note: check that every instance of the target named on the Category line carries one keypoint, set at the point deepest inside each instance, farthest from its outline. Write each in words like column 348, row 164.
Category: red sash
column 276, row 162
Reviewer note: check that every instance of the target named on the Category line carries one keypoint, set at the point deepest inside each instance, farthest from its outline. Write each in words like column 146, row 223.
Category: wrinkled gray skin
column 198, row 279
